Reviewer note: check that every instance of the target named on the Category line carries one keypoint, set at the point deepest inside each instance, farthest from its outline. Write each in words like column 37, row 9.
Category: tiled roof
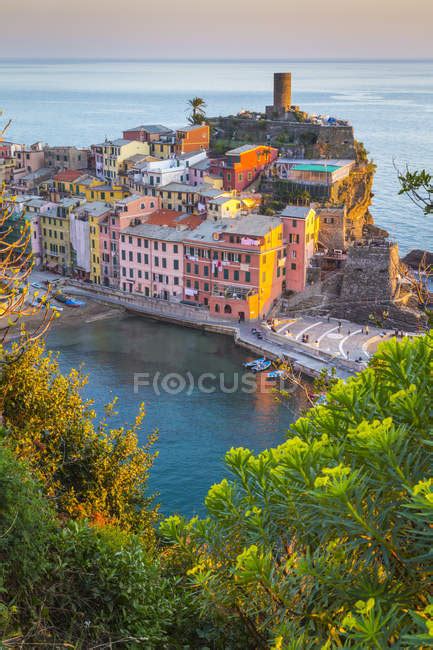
column 69, row 175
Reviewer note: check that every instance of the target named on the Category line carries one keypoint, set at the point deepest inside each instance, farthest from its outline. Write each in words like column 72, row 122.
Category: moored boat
column 251, row 364
column 260, row 367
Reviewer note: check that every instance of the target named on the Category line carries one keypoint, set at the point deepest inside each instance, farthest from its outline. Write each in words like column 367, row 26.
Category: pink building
column 151, row 254
column 29, row 159
column 131, row 211
column 235, row 269
column 300, row 229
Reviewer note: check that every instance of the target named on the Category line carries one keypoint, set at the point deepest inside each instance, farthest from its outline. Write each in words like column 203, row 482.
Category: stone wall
column 371, row 272
column 309, row 140
column 332, row 227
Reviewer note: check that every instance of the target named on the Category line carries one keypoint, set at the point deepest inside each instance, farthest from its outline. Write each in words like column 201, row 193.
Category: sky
column 196, row 29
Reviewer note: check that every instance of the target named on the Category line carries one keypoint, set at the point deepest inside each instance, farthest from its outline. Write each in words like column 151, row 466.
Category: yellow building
column 224, row 207
column 162, row 149
column 115, row 152
column 108, row 193
column 56, row 236
column 177, row 196
column 91, row 188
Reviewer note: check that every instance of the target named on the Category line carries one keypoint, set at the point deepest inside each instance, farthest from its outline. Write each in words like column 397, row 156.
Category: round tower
column 282, row 90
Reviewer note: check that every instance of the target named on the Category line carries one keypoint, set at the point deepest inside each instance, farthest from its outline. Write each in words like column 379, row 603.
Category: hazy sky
column 217, row 29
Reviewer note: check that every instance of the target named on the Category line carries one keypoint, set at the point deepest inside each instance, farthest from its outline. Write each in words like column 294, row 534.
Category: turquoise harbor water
column 195, row 427
column 390, row 105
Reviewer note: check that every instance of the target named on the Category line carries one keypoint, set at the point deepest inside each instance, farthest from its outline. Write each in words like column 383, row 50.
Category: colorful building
column 301, row 230
column 151, row 254
column 178, row 196
column 235, row 268
column 147, row 132
column 127, row 212
column 192, row 138
column 241, row 166
column 56, row 239
column 109, row 156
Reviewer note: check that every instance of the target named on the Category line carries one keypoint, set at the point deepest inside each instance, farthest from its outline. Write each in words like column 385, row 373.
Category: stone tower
column 282, row 91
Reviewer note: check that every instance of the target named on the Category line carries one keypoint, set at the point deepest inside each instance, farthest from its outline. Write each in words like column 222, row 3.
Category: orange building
column 192, row 138
column 241, row 166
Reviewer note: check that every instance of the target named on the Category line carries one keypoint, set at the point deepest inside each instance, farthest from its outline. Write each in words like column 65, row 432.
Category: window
column 123, row 271
column 176, row 281
column 175, row 248
column 236, row 276
column 293, row 266
column 131, row 258
column 294, row 223
column 196, row 285
column 164, row 246
column 146, row 243
column 196, row 270
column 131, row 273
column 129, row 240
column 247, row 276
column 156, row 261
column 155, row 245
column 138, row 242
column 139, row 258
column 146, row 259
column 176, row 265
column 247, row 259
column 139, row 273
column 226, row 274
column 164, row 262
column 123, row 254
column 217, row 308
column 188, row 284
column 206, row 270
column 188, row 267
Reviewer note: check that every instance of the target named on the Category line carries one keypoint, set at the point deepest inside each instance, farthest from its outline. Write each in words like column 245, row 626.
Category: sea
column 389, row 104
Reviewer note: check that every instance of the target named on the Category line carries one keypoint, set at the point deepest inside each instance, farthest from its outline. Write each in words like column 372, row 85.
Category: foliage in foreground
column 326, row 541
column 88, row 471
column 75, row 583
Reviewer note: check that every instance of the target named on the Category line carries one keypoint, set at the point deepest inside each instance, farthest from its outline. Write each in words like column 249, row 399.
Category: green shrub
column 26, row 525
column 326, row 541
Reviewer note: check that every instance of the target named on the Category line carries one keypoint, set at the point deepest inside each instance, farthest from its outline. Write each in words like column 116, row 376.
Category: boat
column 275, row 374
column 251, row 364
column 70, row 302
column 260, row 367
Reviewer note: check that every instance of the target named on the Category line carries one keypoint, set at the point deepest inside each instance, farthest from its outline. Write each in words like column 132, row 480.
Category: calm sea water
column 390, row 104
column 195, row 428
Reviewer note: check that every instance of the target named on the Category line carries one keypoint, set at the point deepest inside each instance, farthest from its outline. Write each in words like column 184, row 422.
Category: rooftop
column 94, row 208
column 191, row 127
column 69, row 175
column 296, row 211
column 151, row 128
column 242, row 149
column 254, row 225
column 316, row 168
column 327, row 162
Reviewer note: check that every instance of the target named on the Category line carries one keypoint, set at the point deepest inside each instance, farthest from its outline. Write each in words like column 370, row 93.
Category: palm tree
column 197, row 106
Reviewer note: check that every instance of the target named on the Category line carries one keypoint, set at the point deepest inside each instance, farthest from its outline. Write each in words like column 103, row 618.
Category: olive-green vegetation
column 326, row 541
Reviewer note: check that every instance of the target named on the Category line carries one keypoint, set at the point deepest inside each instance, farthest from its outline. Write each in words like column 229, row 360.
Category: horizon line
column 31, row 59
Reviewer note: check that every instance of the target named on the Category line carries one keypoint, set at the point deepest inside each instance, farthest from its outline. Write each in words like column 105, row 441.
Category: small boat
column 275, row 374
column 251, row 364
column 70, row 302
column 260, row 367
